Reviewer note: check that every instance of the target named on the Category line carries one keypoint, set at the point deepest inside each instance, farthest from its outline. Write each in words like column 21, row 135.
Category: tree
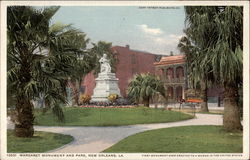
column 197, row 78
column 85, row 64
column 143, row 87
column 39, row 59
column 218, row 32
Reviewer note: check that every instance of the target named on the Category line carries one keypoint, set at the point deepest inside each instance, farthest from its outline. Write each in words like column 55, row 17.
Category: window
column 179, row 72
column 179, row 92
column 170, row 73
column 133, row 59
column 170, row 92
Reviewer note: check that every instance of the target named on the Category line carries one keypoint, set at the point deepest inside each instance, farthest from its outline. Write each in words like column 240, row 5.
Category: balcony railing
column 173, row 80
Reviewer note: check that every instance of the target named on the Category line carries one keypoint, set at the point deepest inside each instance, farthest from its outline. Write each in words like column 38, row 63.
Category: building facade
column 171, row 70
column 129, row 63
column 173, row 73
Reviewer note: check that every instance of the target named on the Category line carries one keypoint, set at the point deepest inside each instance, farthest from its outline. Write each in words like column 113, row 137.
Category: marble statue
column 105, row 66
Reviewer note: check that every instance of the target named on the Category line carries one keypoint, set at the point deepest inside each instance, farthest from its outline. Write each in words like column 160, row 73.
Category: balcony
column 173, row 80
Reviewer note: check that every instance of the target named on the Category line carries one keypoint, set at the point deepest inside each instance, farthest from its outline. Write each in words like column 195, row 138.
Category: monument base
column 106, row 84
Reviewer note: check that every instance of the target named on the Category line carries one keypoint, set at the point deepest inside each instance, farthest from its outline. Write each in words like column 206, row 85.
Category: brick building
column 129, row 63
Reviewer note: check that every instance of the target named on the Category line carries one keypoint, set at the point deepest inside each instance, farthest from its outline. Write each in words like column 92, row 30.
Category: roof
column 169, row 60
column 126, row 49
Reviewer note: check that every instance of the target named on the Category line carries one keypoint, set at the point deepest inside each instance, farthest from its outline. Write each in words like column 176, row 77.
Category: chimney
column 127, row 46
column 171, row 53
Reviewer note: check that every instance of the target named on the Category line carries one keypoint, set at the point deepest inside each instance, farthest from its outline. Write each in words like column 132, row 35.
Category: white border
column 136, row 156
column 125, row 3
column 246, row 70
column 3, row 79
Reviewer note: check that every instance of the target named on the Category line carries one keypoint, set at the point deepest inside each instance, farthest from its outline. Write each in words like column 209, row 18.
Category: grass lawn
column 41, row 142
column 188, row 139
column 219, row 113
column 190, row 111
column 79, row 116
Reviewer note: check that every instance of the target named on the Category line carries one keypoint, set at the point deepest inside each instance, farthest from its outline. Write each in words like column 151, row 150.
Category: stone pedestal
column 106, row 84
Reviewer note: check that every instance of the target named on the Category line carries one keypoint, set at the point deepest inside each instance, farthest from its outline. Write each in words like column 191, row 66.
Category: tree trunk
column 75, row 92
column 79, row 91
column 204, row 106
column 24, row 118
column 146, row 102
column 231, row 118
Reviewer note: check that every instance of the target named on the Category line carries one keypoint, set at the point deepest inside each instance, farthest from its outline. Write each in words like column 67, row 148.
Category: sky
column 153, row 30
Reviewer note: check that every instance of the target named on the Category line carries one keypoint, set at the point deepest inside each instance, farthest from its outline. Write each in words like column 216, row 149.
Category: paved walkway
column 97, row 139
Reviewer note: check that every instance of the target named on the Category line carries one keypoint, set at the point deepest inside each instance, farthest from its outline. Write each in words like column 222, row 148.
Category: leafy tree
column 83, row 65
column 86, row 62
column 217, row 31
column 39, row 59
column 143, row 87
column 197, row 78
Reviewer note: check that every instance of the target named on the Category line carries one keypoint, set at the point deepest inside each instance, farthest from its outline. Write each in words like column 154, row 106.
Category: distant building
column 129, row 63
column 172, row 72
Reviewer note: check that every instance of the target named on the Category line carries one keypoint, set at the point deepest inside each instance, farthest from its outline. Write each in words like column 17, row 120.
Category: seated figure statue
column 105, row 66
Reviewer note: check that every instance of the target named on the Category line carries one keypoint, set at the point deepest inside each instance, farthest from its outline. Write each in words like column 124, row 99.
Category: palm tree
column 39, row 59
column 218, row 32
column 143, row 87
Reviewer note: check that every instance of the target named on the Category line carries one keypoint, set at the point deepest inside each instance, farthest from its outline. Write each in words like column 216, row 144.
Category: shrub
column 85, row 99
column 145, row 86
column 169, row 108
column 113, row 97
column 124, row 101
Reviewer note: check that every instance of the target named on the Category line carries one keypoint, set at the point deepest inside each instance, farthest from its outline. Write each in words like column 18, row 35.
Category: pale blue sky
column 153, row 30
